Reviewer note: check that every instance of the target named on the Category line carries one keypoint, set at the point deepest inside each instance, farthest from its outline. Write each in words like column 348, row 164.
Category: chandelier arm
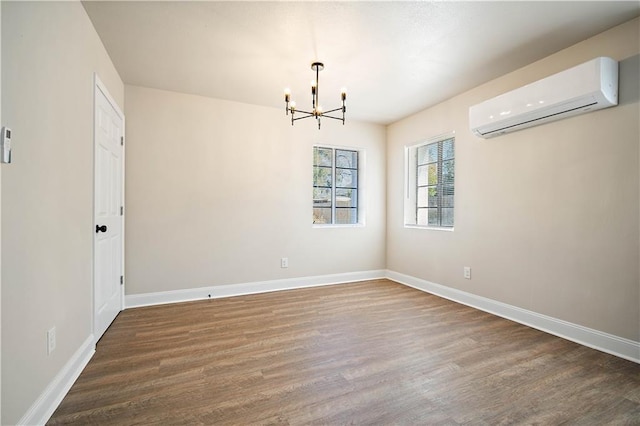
column 303, row 112
column 332, row 110
column 302, row 118
column 335, row 118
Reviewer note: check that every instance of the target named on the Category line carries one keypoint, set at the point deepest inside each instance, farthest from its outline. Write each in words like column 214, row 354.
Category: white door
column 108, row 288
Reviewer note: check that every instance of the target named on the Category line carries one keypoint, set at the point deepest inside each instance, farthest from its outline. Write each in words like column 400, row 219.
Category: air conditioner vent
column 586, row 87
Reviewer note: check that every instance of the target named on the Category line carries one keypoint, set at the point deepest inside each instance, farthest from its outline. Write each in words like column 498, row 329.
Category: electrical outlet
column 51, row 340
column 467, row 272
column 284, row 262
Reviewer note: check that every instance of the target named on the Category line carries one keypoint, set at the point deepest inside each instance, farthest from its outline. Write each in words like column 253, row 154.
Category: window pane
column 448, row 172
column 428, row 175
column 422, row 155
column 447, row 196
column 346, row 198
column 433, row 174
column 322, row 157
column 322, row 215
column 447, row 217
column 346, row 216
column 422, row 175
column 346, row 159
column 321, row 197
column 422, row 217
column 346, row 178
column 428, row 153
column 434, row 220
column 427, row 197
column 447, row 149
column 422, row 197
column 322, row 176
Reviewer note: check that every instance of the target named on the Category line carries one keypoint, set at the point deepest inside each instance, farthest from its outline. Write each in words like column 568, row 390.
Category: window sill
column 334, row 225
column 429, row 228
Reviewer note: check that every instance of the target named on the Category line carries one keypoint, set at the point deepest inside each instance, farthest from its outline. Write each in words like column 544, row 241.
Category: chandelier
column 316, row 110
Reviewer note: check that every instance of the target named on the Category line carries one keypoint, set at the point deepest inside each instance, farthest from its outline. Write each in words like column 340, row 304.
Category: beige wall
column 547, row 218
column 50, row 52
column 217, row 192
column 1, row 217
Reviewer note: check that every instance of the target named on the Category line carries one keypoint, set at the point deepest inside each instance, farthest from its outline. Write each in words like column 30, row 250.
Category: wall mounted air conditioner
column 586, row 87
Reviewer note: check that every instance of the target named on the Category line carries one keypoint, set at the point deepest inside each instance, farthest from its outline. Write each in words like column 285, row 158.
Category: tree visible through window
column 430, row 181
column 335, row 186
column 435, row 184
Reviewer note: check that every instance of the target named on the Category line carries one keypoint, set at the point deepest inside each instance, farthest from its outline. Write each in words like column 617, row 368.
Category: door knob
column 102, row 228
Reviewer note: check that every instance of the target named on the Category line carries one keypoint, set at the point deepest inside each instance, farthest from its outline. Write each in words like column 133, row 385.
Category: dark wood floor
column 365, row 353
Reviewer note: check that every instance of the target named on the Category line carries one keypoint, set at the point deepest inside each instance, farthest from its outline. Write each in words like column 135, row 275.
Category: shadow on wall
column 629, row 83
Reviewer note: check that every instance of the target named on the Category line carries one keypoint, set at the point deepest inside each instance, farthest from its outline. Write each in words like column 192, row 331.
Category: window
column 335, row 186
column 430, row 183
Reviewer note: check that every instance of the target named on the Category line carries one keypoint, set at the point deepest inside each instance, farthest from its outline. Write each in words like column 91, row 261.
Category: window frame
column 360, row 197
column 411, row 185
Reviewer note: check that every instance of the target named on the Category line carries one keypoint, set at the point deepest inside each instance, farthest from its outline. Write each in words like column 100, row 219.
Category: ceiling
column 394, row 58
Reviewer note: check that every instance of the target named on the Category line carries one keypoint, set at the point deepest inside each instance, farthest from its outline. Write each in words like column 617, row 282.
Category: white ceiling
column 394, row 58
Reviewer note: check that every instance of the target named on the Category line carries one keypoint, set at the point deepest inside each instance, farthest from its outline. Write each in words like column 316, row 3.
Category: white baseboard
column 229, row 290
column 605, row 342
column 42, row 409
column 614, row 345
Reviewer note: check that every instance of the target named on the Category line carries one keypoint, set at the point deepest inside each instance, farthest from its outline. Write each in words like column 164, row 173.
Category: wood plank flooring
column 367, row 353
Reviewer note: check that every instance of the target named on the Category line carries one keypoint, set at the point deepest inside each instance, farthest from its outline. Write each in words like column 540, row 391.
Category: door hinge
column 121, row 279
column 121, row 210
column 122, row 140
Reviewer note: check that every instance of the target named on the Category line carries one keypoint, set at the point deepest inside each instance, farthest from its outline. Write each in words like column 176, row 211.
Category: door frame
column 98, row 85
